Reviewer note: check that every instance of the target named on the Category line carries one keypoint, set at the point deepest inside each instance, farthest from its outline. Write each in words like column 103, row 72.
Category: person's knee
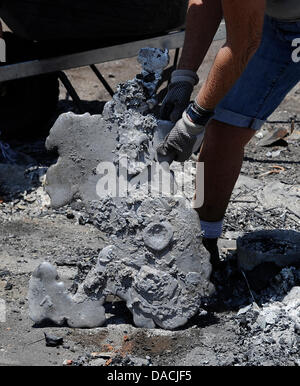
column 229, row 134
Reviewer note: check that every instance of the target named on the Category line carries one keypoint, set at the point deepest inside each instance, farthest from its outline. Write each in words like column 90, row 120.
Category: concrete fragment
column 52, row 340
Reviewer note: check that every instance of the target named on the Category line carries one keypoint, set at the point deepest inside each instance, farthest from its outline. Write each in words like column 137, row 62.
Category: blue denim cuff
column 236, row 119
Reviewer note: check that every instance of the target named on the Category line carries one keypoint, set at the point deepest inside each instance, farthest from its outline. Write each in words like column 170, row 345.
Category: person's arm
column 202, row 21
column 244, row 25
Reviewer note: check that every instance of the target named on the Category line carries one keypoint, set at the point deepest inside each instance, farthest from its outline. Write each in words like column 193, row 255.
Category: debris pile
column 272, row 331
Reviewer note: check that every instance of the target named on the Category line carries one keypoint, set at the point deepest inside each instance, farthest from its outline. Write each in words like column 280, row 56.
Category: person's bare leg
column 222, row 153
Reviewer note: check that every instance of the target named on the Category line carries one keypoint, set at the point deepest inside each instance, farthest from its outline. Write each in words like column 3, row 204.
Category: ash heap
column 154, row 259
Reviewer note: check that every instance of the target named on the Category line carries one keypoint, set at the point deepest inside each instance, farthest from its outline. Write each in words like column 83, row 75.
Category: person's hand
column 179, row 93
column 186, row 136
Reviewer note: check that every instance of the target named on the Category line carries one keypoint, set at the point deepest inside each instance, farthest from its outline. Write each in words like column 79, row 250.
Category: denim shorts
column 268, row 77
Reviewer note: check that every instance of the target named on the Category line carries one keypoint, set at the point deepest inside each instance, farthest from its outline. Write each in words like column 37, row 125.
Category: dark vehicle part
column 26, row 105
column 92, row 19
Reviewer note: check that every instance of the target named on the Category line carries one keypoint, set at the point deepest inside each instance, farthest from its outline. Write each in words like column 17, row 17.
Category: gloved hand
column 186, row 136
column 179, row 94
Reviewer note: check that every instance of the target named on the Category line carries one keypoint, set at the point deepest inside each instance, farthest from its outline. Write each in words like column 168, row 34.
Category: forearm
column 244, row 25
column 202, row 21
column 227, row 68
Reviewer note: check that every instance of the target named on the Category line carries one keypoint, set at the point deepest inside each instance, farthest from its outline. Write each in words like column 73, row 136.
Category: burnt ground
column 31, row 232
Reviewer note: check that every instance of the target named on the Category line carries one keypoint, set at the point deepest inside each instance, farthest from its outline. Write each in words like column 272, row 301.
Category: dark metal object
column 86, row 58
column 34, row 67
column 68, row 85
column 102, row 80
column 102, row 20
column 100, row 55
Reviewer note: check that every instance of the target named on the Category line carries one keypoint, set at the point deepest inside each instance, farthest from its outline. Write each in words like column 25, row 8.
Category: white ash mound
column 155, row 260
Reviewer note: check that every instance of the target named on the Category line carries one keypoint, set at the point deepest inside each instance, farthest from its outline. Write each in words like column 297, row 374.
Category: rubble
column 274, row 325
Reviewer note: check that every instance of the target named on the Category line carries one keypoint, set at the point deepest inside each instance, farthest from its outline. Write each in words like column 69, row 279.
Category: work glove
column 179, row 93
column 186, row 136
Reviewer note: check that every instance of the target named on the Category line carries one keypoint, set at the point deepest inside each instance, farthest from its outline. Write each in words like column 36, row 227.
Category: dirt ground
column 31, row 232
